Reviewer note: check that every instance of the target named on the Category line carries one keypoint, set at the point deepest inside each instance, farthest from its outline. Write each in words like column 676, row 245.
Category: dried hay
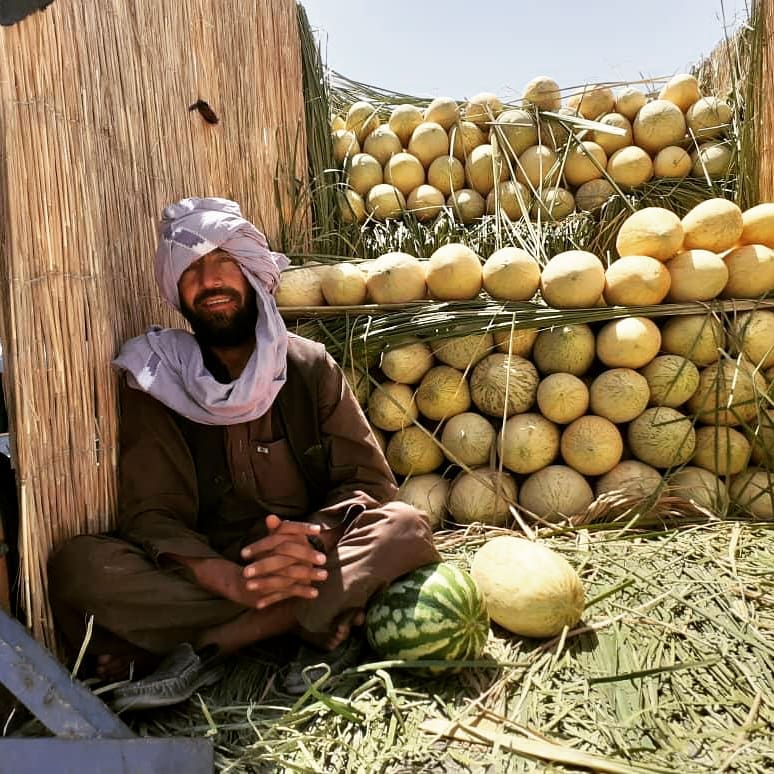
column 95, row 138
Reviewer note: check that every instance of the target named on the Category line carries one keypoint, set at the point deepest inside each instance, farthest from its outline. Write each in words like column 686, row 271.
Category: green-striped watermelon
column 435, row 612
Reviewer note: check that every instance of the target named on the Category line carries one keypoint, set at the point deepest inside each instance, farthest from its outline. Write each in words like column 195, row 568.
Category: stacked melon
column 539, row 159
column 550, row 419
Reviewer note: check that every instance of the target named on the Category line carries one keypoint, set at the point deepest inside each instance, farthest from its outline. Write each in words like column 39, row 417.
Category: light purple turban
column 168, row 363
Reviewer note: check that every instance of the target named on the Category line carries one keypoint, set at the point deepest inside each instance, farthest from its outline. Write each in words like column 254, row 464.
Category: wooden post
column 766, row 168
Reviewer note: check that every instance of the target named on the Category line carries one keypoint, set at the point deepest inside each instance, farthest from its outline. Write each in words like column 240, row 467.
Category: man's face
column 218, row 301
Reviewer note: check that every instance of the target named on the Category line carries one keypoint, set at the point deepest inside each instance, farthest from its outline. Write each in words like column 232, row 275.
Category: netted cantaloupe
column 301, row 286
column 447, row 174
column 463, row 352
column 382, row 143
column 619, row 394
column 482, row 495
column 714, row 224
column 515, row 131
column 392, row 406
column 562, row 398
column 555, row 131
column 567, row 348
column 572, row 280
column 729, row 393
column 754, row 332
column 630, row 477
column 750, row 272
column 758, row 225
column 529, row 589
column 502, row 385
column 592, row 445
column 698, row 337
column 672, row 162
column 343, row 284
column 592, row 195
column 636, row 280
column 385, row 201
column 630, row 167
column 554, row 203
column 351, row 206
column 629, row 101
column 543, row 92
column 467, row 205
column 682, row 90
column 753, row 491
column 483, row 108
column 538, row 166
column 362, row 118
column 405, row 172
column 708, row 117
column 428, row 142
column 528, row 442
column 585, row 161
column 658, row 124
column 483, row 169
column 652, row 231
column 467, row 439
column 345, row 145
column 444, row 111
column 672, row 380
column 442, row 393
column 427, row 493
column 403, row 120
column 511, row 198
column 396, row 278
column 425, row 202
column 413, row 452
column 701, row 487
column 518, row 341
column 454, row 272
column 696, row 275
column 511, row 274
column 630, row 342
column 555, row 493
column 712, row 160
column 364, row 173
column 463, row 137
column 608, row 141
column 592, row 103
column 721, row 450
column 407, row 363
column 662, row 437
column 337, row 122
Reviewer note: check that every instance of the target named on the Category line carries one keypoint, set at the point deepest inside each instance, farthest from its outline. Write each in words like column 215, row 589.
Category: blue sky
column 457, row 48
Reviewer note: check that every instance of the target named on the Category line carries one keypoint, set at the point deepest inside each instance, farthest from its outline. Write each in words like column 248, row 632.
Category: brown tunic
column 205, row 491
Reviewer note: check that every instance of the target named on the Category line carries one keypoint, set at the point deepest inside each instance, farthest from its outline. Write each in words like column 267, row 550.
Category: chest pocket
column 280, row 482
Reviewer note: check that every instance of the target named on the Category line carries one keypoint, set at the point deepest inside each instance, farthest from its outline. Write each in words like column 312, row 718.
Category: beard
column 223, row 329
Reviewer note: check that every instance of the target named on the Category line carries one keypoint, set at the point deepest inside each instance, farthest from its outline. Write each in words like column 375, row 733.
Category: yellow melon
column 714, row 224
column 464, row 136
column 592, row 103
column 454, row 273
column 701, row 487
column 511, row 274
column 344, row 284
column 396, row 278
column 682, row 90
column 562, row 398
column 468, row 439
column 543, row 92
column 382, row 143
column 753, row 491
column 554, row 203
column 362, row 119
column 412, row 451
column 447, row 174
column 503, row 385
column 555, row 493
column 538, row 166
column 351, row 206
column 592, row 445
column 407, row 363
column 584, row 162
column 629, row 101
column 712, row 160
column 405, row 172
column 564, row 348
column 482, row 495
column 403, row 120
column 463, row 352
column 609, row 142
column 696, row 275
column 466, row 204
column 662, row 437
column 428, row 142
column 592, row 195
column 672, row 380
column 425, row 202
column 758, row 225
column 444, row 111
column 721, row 450
column 630, row 167
column 510, row 198
column 391, row 406
column 750, row 272
column 483, row 108
column 364, row 173
column 630, row 477
column 345, row 145
column 754, row 332
column 630, row 342
column 636, row 280
column 619, row 395
column 515, row 131
column 708, row 117
column 658, row 124
column 518, row 341
column 442, row 393
column 652, row 231
column 483, row 169
column 385, row 201
column 728, row 394
column 698, row 337
column 527, row 442
column 672, row 162
column 572, row 280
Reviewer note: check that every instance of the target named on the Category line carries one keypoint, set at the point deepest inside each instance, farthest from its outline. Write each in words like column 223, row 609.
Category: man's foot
column 325, row 654
column 111, row 669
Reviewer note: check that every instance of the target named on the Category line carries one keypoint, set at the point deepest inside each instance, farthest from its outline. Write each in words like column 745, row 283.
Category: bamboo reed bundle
column 766, row 141
column 95, row 138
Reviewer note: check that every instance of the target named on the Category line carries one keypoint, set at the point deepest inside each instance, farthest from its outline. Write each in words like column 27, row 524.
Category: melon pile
column 540, row 158
column 551, row 419
column 715, row 250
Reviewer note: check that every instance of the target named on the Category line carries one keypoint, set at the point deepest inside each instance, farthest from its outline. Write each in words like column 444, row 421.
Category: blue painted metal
column 89, row 737
column 106, row 756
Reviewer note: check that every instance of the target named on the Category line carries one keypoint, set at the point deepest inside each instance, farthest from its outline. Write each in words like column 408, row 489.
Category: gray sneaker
column 182, row 672
column 310, row 664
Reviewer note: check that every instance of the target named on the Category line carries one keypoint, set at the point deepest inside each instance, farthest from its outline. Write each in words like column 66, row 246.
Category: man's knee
column 404, row 529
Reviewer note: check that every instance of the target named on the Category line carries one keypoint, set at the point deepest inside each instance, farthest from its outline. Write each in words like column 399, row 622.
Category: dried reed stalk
column 95, row 138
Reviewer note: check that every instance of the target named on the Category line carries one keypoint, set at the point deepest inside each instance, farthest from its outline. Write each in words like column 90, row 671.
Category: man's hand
column 284, row 564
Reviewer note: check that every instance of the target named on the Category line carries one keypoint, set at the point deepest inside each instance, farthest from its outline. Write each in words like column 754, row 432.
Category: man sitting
column 254, row 500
